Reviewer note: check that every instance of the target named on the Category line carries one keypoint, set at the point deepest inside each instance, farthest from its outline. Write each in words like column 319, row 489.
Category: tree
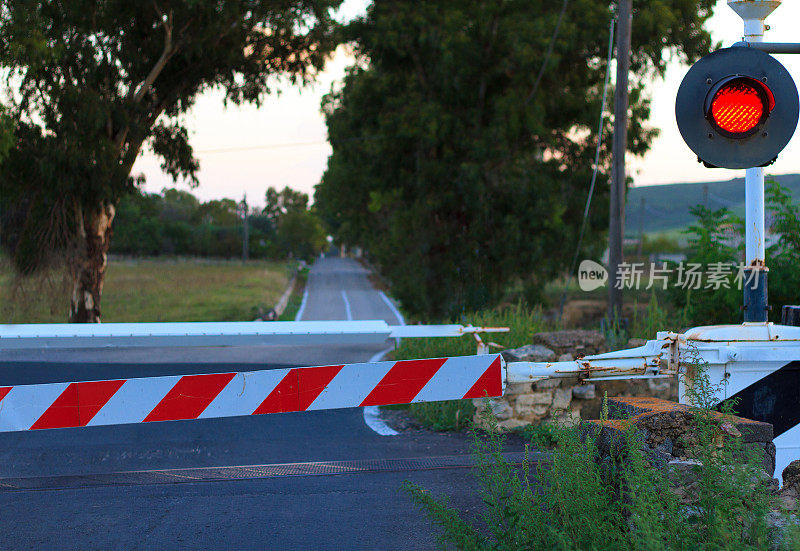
column 92, row 82
column 301, row 235
column 220, row 212
column 281, row 202
column 460, row 162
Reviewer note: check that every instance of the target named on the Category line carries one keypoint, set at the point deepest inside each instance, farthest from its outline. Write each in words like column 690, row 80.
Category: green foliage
column 93, row 82
column 450, row 156
column 542, row 435
column 447, row 415
column 654, row 319
column 176, row 223
column 577, row 500
column 456, row 414
column 710, row 245
column 783, row 257
column 718, row 239
column 301, row 235
column 281, row 202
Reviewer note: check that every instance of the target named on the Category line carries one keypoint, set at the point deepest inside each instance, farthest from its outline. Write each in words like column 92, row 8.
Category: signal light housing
column 737, row 108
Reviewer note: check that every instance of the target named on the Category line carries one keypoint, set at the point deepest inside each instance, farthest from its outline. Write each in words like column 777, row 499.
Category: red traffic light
column 737, row 105
column 737, row 108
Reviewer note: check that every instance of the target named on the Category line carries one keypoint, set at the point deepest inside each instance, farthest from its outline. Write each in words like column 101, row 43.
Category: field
column 154, row 290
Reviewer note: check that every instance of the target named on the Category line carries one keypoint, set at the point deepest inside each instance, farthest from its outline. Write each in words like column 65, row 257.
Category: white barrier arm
column 648, row 361
column 63, row 335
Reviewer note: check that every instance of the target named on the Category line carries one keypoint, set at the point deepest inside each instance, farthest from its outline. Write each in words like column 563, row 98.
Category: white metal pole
column 753, row 13
column 754, row 215
column 754, row 177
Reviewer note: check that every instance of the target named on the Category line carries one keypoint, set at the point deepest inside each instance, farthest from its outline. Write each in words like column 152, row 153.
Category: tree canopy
column 460, row 163
column 92, row 82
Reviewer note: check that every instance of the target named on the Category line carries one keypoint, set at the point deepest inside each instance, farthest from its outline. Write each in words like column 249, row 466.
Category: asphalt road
column 355, row 509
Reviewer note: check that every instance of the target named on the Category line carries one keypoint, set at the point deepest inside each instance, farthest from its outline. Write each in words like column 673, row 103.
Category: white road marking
column 393, row 308
column 302, row 309
column 347, row 311
column 372, row 414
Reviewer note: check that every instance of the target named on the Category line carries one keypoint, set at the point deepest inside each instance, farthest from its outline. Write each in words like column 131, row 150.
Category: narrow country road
column 83, row 489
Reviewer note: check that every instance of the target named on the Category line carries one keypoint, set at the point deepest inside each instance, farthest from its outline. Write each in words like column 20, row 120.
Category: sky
column 243, row 149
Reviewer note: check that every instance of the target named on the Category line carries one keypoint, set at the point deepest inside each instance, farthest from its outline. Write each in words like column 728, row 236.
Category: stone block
column 791, row 477
column 538, row 398
column 566, row 357
column 561, row 398
column 529, row 353
column 546, row 384
column 518, row 388
column 540, row 411
column 659, row 385
column 584, row 392
column 501, row 409
column 532, row 404
column 570, row 341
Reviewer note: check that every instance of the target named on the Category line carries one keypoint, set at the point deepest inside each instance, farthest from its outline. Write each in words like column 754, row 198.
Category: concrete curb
column 284, row 300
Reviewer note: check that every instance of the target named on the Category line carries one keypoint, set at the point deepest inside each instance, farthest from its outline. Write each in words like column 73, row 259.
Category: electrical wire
column 548, row 54
column 594, row 171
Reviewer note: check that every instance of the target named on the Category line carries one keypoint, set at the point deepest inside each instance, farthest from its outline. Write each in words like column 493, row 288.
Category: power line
column 548, row 53
column 594, row 171
column 250, row 147
column 265, row 146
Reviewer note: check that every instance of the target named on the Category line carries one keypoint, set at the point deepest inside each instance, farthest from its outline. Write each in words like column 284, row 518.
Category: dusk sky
column 247, row 149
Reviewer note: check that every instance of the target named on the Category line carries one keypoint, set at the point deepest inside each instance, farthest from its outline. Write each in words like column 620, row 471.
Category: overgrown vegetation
column 580, row 501
column 717, row 245
column 296, row 298
column 457, row 414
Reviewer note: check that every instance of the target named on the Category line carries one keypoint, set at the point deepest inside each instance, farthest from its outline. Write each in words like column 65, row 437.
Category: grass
column 146, row 290
column 296, row 298
column 523, row 322
column 457, row 414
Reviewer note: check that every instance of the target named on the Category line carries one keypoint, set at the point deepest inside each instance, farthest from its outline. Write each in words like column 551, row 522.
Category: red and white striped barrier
column 143, row 400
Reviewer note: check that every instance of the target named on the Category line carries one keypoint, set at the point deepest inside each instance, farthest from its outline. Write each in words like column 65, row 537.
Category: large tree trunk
column 89, row 262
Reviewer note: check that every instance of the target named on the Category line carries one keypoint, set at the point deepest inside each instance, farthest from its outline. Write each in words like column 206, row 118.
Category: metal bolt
column 710, row 136
column 765, row 134
column 709, row 81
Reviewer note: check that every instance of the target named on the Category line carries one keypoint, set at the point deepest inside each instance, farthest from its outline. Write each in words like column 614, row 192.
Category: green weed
column 579, row 500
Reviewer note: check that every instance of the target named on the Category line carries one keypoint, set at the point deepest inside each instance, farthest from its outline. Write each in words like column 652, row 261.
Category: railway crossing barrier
column 756, row 363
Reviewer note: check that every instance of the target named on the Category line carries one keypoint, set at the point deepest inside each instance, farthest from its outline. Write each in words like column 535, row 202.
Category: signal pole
column 755, row 273
column 616, row 222
column 246, row 230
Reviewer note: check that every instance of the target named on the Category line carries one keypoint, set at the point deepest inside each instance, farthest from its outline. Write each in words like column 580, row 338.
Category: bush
column 715, row 234
column 580, row 501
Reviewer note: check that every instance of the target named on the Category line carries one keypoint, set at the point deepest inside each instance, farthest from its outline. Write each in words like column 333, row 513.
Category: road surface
column 83, row 495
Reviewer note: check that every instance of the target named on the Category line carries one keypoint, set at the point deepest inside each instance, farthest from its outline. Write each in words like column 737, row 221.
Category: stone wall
column 566, row 400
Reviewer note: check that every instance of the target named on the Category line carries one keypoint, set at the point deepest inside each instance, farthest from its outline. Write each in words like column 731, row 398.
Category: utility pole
column 641, row 228
column 616, row 225
column 246, row 231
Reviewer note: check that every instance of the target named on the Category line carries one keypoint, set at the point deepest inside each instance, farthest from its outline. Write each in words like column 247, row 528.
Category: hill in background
column 665, row 208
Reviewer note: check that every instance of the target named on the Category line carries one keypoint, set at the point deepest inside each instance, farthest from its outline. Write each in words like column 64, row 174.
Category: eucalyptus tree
column 93, row 82
column 463, row 138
